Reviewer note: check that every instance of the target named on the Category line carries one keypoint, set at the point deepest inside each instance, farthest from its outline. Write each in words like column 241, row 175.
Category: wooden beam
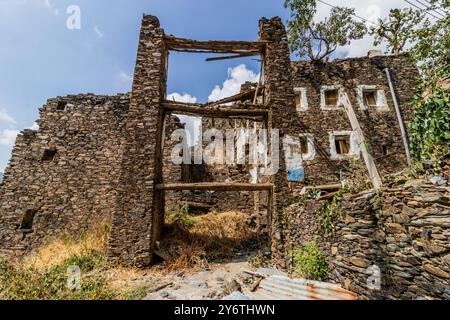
column 237, row 56
column 215, row 186
column 238, row 47
column 368, row 158
column 234, row 98
column 202, row 110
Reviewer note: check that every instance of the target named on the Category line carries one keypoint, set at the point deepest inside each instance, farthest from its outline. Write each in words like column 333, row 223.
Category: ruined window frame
column 301, row 92
column 381, row 100
column 340, row 92
column 311, row 154
column 355, row 151
column 28, row 221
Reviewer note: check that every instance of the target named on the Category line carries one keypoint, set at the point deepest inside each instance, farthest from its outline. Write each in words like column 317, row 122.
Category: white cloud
column 236, row 77
column 34, row 127
column 5, row 117
column 8, row 137
column 49, row 6
column 185, row 97
column 98, row 32
column 192, row 124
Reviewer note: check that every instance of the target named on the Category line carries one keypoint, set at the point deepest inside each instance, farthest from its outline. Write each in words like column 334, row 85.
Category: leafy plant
column 180, row 218
column 318, row 40
column 329, row 211
column 309, row 262
column 430, row 139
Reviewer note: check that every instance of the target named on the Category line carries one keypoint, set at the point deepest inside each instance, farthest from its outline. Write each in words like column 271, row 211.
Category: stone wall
column 65, row 175
column 139, row 210
column 380, row 125
column 404, row 231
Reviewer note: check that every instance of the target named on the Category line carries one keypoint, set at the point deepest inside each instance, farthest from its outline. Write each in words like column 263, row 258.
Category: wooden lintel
column 181, row 44
column 215, row 186
column 202, row 110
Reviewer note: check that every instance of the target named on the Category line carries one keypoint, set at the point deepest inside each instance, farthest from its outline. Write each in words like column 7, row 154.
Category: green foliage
column 397, row 29
column 309, row 262
column 429, row 39
column 329, row 211
column 430, row 139
column 180, row 218
column 29, row 283
column 318, row 40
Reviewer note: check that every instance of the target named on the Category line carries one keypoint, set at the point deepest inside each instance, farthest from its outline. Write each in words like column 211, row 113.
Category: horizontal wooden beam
column 238, row 47
column 215, row 186
column 202, row 110
column 247, row 94
column 236, row 56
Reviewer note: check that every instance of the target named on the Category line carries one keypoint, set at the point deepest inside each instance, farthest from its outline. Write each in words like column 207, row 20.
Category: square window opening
column 49, row 155
column 61, row 106
column 342, row 144
column 331, row 97
column 28, row 220
column 304, row 145
column 370, row 98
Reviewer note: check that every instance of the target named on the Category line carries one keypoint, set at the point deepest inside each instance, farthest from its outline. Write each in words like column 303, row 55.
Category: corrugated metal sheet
column 283, row 288
column 278, row 286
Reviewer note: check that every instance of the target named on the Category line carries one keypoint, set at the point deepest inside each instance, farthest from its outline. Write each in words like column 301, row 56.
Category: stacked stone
column 380, row 127
column 65, row 174
column 405, row 233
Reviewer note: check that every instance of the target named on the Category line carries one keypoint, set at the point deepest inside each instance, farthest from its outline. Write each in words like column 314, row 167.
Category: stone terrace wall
column 380, row 127
column 405, row 232
column 76, row 188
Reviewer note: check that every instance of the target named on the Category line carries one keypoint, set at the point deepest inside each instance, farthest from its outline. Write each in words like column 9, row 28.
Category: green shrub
column 309, row 262
column 430, row 127
column 329, row 211
column 180, row 218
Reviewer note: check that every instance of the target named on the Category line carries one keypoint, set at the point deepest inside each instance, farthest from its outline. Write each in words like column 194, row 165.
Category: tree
column 318, row 40
column 397, row 29
column 429, row 39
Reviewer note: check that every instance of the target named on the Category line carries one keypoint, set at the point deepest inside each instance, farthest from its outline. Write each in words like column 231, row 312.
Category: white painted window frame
column 381, row 105
column 355, row 150
column 303, row 99
column 311, row 155
column 324, row 106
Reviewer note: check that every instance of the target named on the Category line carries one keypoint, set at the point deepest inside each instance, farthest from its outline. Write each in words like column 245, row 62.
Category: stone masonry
column 99, row 158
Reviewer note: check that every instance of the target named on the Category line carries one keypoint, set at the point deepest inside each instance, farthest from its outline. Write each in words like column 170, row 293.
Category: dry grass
column 205, row 238
column 60, row 249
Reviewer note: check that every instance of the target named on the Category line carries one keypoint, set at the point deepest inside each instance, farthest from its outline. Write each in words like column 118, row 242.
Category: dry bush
column 58, row 250
column 208, row 237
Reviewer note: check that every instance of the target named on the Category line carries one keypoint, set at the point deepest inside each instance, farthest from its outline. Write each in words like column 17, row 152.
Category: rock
column 359, row 262
column 447, row 259
column 379, row 235
column 334, row 250
column 435, row 248
column 438, row 180
column 428, row 197
column 436, row 271
column 394, row 228
column 232, row 286
column 402, row 218
column 164, row 294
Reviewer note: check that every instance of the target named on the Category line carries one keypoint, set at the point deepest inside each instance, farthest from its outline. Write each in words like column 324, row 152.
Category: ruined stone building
column 97, row 158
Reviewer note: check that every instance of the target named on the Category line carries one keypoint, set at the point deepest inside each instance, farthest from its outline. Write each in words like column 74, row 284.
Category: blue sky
column 41, row 58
